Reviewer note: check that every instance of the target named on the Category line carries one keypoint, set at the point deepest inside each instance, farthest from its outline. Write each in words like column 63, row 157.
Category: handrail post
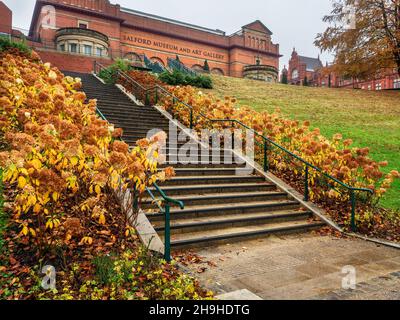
column 266, row 162
column 353, row 210
column 147, row 98
column 306, row 186
column 233, row 135
column 191, row 119
column 167, row 235
column 156, row 96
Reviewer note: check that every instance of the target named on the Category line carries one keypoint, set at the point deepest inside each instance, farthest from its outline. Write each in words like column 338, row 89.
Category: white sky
column 294, row 23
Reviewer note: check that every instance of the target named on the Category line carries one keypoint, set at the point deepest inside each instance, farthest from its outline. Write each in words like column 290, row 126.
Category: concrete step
column 150, row 121
column 129, row 109
column 195, row 180
column 176, row 191
column 183, row 172
column 200, row 164
column 215, row 210
column 180, row 226
column 214, row 237
column 221, row 198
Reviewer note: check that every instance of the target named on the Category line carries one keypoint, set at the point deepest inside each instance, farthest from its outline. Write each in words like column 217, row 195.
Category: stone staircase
column 220, row 205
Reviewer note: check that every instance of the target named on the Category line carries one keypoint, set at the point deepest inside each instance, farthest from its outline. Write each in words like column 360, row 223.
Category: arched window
column 217, row 71
column 197, row 67
column 159, row 60
column 295, row 74
column 134, row 58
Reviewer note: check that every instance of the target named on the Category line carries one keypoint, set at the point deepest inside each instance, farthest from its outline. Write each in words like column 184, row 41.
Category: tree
column 284, row 79
column 370, row 45
column 305, row 81
column 206, row 67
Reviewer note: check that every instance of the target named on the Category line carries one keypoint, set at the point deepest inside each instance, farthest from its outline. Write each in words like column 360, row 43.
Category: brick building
column 303, row 69
column 6, row 20
column 73, row 33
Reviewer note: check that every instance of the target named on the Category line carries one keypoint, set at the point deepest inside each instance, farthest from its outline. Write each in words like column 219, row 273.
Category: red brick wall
column 5, row 19
column 227, row 53
column 75, row 63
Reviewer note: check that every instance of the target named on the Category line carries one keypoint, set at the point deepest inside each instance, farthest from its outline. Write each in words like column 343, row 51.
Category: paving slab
column 297, row 267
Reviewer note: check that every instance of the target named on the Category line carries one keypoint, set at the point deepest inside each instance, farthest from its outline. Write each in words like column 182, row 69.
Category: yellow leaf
column 33, row 232
column 102, row 219
column 97, row 189
column 49, row 224
column 21, row 182
column 37, row 208
column 25, row 230
column 55, row 196
column 36, row 164
column 74, row 161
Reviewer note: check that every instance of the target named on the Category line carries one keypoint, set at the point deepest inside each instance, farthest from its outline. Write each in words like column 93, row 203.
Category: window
column 99, row 51
column 378, row 86
column 295, row 74
column 87, row 49
column 83, row 24
column 396, row 84
column 62, row 47
column 369, row 87
column 73, row 47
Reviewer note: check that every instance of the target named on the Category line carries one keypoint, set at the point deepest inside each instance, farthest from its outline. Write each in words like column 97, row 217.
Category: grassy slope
column 371, row 119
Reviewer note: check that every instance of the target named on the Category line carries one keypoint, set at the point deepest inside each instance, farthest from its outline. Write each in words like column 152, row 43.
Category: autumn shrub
column 177, row 78
column 110, row 74
column 335, row 157
column 7, row 44
column 63, row 171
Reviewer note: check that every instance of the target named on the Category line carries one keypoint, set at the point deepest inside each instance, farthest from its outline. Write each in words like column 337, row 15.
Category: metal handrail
column 167, row 200
column 167, row 221
column 266, row 140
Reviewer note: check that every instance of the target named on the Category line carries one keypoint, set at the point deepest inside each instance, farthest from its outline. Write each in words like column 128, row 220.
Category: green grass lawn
column 371, row 119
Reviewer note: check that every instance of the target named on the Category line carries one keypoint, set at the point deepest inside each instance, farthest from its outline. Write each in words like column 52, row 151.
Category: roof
column 312, row 64
column 168, row 20
column 258, row 26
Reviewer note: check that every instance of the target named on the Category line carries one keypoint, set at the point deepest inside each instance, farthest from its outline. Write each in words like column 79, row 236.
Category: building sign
column 172, row 47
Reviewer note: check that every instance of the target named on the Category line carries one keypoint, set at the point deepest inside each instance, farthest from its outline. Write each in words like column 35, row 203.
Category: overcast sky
column 294, row 23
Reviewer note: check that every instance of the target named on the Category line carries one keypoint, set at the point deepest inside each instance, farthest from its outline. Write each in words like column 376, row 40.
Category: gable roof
column 258, row 26
column 312, row 64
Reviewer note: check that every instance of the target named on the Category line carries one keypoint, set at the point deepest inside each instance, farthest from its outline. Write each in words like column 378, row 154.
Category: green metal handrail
column 167, row 214
column 267, row 141
column 167, row 200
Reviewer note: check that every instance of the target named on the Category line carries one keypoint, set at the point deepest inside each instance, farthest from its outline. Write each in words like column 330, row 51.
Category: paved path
column 301, row 267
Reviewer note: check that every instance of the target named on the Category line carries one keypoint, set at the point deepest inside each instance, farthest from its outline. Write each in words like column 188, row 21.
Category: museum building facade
column 98, row 30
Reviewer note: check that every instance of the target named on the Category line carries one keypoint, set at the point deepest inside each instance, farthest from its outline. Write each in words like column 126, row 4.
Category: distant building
column 6, row 20
column 303, row 69
column 387, row 79
column 71, row 34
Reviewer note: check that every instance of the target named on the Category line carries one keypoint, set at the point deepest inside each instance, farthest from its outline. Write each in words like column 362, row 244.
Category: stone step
column 200, row 164
column 176, row 191
column 215, row 210
column 194, row 180
column 221, row 198
column 180, row 226
column 184, row 172
column 129, row 109
column 144, row 121
column 214, row 237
